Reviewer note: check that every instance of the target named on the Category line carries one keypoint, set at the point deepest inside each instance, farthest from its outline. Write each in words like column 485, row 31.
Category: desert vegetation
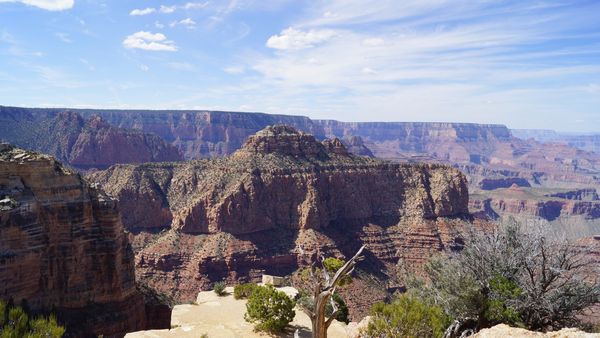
column 219, row 288
column 15, row 322
column 512, row 275
column 322, row 304
column 269, row 309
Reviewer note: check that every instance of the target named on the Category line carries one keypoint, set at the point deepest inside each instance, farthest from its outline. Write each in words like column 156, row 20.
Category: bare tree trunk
column 322, row 295
column 319, row 324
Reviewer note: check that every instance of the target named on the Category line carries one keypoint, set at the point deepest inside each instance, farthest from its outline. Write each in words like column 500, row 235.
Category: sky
column 526, row 64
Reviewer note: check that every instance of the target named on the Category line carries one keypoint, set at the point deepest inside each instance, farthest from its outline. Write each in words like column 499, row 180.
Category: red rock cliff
column 282, row 178
column 271, row 205
column 63, row 249
column 80, row 142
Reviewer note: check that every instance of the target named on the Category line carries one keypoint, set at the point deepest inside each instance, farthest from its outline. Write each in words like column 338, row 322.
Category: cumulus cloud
column 50, row 5
column 145, row 11
column 149, row 41
column 294, row 39
column 167, row 9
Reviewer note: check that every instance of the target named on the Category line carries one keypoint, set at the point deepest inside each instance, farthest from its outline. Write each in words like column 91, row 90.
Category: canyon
column 84, row 143
column 491, row 156
column 192, row 223
column 63, row 250
column 271, row 206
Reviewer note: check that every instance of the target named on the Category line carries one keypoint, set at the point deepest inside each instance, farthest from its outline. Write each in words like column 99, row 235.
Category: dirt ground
column 223, row 317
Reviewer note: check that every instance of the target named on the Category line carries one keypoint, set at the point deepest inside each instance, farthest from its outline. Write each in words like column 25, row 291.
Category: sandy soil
column 502, row 330
column 223, row 317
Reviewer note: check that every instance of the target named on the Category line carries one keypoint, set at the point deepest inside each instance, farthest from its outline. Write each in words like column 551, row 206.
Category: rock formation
column 82, row 143
column 490, row 155
column 356, row 145
column 305, row 184
column 202, row 134
column 63, row 248
column 271, row 205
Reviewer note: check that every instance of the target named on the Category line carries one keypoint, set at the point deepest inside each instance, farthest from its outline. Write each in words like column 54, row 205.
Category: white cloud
column 593, row 88
column 149, row 41
column 64, row 37
column 50, row 5
column 189, row 23
column 294, row 39
column 183, row 66
column 368, row 71
column 372, row 42
column 144, row 68
column 167, row 9
column 158, row 25
column 234, row 70
column 145, row 11
column 195, row 5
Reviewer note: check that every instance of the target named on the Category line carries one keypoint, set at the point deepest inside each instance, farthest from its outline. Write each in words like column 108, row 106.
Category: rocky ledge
column 63, row 248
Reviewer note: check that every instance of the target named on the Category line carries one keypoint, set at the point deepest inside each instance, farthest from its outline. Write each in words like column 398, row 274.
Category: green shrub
column 243, row 291
column 407, row 317
column 14, row 322
column 521, row 276
column 332, row 265
column 219, row 288
column 342, row 315
column 499, row 308
column 270, row 309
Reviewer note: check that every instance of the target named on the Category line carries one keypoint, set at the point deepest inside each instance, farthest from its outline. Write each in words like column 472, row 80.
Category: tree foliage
column 14, row 322
column 407, row 316
column 270, row 309
column 516, row 276
column 243, row 291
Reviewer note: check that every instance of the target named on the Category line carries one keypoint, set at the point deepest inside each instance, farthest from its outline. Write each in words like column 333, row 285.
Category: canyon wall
column 273, row 204
column 201, row 134
column 63, row 248
column 490, row 156
column 80, row 142
column 304, row 183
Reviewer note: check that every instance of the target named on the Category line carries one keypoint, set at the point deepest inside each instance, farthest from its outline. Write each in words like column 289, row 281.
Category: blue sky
column 526, row 64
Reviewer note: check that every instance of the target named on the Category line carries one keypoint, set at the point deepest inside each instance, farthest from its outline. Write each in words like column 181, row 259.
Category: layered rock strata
column 277, row 201
column 80, row 142
column 63, row 248
column 281, row 178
